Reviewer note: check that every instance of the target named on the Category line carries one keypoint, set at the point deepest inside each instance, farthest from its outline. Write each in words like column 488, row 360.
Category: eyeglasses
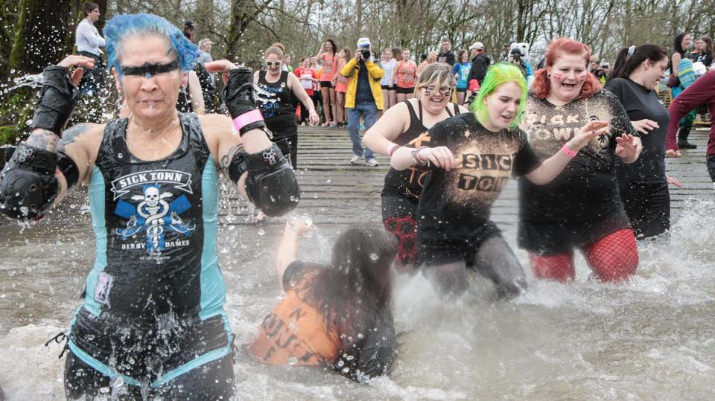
column 149, row 70
column 273, row 63
column 429, row 90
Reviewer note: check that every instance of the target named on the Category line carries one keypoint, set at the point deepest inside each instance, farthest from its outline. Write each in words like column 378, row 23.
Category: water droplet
column 261, row 231
column 118, row 383
column 292, row 360
column 373, row 257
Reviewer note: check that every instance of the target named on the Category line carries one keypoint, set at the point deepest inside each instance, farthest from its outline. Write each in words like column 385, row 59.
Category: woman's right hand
column 439, row 156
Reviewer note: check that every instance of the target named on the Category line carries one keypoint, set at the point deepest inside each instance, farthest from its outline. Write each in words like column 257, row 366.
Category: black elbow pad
column 271, row 184
column 28, row 185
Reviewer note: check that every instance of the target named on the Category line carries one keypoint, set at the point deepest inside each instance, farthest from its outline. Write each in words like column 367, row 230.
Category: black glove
column 240, row 97
column 57, row 100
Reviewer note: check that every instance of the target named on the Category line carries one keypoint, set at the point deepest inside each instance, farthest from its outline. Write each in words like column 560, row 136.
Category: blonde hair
column 439, row 74
column 274, row 50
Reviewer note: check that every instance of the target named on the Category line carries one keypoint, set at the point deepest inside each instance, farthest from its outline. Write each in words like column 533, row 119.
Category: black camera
column 365, row 53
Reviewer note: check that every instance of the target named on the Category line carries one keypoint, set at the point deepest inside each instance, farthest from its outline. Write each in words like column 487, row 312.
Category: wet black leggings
column 209, row 382
column 494, row 260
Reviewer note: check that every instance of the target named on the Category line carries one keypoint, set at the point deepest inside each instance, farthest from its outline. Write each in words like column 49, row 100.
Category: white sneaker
column 355, row 159
column 372, row 162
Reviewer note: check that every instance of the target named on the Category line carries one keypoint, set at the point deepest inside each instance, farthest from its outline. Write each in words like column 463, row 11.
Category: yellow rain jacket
column 374, row 73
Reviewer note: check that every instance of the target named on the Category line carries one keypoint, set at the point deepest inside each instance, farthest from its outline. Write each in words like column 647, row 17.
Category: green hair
column 497, row 75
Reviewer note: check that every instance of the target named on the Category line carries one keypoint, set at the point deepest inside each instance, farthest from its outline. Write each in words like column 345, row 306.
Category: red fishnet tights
column 612, row 258
column 405, row 229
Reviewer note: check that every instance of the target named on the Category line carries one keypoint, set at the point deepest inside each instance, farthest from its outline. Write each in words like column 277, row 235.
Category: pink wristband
column 391, row 149
column 247, row 118
column 570, row 153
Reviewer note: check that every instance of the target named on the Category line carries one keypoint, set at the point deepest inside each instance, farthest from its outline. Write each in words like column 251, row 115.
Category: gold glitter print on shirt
column 550, row 127
column 483, row 168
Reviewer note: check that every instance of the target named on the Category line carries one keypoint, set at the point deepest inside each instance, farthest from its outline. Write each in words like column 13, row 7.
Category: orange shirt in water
column 295, row 333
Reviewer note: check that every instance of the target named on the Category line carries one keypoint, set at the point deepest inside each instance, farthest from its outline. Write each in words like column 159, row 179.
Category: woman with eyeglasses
column 152, row 323
column 406, row 124
column 469, row 158
column 276, row 94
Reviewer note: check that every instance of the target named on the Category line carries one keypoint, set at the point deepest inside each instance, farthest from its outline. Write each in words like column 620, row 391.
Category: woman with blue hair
column 470, row 157
column 152, row 323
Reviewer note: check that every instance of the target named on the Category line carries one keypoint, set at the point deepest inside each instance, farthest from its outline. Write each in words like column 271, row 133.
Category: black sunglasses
column 149, row 70
column 273, row 63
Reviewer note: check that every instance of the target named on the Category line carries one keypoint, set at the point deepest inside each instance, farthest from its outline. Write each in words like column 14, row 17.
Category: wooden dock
column 336, row 192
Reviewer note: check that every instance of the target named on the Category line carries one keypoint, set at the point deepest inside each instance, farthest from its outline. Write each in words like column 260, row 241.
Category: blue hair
column 122, row 26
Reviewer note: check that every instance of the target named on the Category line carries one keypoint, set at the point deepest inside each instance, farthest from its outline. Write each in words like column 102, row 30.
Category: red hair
column 541, row 86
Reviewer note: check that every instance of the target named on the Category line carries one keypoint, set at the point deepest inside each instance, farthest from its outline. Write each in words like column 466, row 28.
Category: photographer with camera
column 515, row 57
column 363, row 98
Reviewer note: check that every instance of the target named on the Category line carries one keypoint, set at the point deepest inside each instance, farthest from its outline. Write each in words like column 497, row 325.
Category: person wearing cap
column 480, row 64
column 595, row 63
column 363, row 98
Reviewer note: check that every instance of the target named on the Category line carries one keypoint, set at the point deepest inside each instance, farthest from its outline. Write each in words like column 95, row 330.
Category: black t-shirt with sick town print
column 455, row 203
column 586, row 190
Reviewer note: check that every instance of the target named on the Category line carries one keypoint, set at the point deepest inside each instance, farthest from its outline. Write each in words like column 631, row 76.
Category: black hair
column 708, row 44
column 354, row 295
column 88, row 7
column 335, row 47
column 626, row 64
column 678, row 43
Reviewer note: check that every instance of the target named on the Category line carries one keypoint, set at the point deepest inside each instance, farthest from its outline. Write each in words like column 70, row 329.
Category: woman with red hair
column 581, row 208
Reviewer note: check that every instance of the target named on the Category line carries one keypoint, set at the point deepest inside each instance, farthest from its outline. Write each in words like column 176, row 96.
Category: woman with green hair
column 470, row 157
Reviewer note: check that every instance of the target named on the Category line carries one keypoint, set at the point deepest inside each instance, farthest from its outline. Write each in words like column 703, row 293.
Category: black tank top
column 408, row 183
column 155, row 224
column 277, row 104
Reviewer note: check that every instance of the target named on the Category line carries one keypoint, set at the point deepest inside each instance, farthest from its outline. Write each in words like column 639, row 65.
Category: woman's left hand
column 313, row 117
column 626, row 147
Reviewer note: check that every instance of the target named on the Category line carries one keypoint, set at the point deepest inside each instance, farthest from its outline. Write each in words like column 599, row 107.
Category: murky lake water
column 650, row 339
